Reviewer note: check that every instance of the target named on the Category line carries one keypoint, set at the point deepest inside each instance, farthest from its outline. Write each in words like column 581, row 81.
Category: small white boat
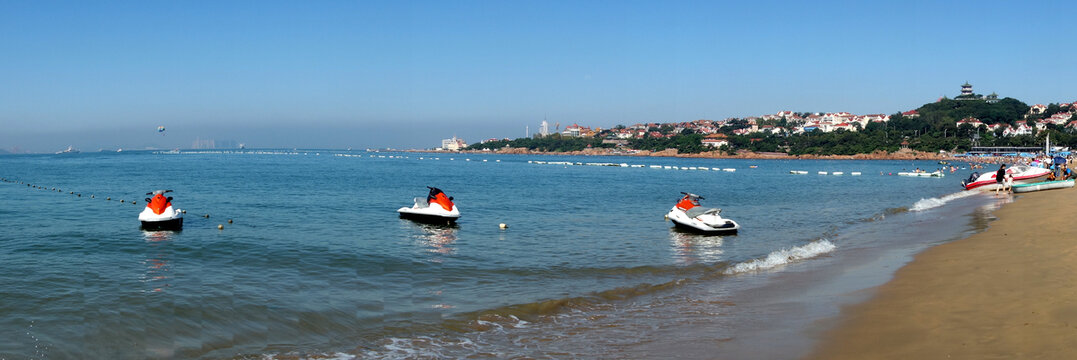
column 1046, row 185
column 822, row 173
column 798, row 172
column 69, row 150
column 837, row 173
column 729, row 169
column 855, row 173
column 1022, row 174
column 922, row 174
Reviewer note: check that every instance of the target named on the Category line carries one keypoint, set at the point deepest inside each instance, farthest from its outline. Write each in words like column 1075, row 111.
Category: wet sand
column 1008, row 292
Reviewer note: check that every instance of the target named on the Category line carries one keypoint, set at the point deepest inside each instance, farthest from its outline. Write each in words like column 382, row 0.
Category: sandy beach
column 1006, row 293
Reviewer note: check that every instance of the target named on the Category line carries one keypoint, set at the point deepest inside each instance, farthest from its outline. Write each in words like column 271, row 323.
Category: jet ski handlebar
column 693, row 195
column 155, row 192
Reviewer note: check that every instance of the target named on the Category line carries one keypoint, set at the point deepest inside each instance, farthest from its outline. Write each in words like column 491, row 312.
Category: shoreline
column 904, row 154
column 1006, row 292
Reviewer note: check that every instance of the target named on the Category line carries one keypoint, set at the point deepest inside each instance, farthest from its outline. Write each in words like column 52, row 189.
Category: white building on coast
column 453, row 144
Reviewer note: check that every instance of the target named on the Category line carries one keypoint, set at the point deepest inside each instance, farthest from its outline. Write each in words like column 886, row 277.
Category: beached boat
column 1046, row 185
column 1022, row 174
column 922, row 174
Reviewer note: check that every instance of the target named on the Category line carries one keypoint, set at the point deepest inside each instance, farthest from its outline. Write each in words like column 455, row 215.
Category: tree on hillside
column 1007, row 110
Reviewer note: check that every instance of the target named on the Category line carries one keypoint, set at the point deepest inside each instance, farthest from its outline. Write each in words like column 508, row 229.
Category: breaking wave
column 931, row 203
column 784, row 256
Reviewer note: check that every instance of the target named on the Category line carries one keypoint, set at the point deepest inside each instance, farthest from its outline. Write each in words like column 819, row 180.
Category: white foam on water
column 784, row 256
column 931, row 203
column 421, row 347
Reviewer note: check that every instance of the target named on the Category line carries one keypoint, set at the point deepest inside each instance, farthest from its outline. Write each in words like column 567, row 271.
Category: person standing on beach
column 1009, row 183
column 1000, row 176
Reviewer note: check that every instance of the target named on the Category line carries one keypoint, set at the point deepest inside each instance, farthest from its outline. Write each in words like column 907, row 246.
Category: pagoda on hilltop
column 967, row 94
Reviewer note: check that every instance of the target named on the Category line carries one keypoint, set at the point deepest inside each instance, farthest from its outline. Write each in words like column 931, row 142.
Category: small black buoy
column 229, row 221
column 79, row 195
column 108, row 198
column 220, row 227
column 121, row 200
column 91, row 196
column 207, row 216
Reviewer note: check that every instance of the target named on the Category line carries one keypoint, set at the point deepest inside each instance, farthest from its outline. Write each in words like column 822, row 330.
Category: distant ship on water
column 69, row 150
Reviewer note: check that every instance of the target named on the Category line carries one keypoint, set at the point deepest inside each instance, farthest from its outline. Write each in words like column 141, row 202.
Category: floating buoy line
column 671, row 167
column 92, row 196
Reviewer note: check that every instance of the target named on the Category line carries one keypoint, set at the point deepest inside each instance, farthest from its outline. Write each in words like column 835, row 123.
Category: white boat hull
column 432, row 214
column 709, row 222
column 1022, row 174
column 170, row 219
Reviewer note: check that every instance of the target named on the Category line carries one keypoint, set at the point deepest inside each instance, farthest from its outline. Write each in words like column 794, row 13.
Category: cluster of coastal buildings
column 1022, row 127
column 789, row 122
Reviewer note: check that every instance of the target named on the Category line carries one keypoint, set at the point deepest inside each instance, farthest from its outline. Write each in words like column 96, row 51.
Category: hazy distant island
column 933, row 130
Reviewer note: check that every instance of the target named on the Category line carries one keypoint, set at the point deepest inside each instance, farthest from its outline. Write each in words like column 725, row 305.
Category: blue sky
column 407, row 74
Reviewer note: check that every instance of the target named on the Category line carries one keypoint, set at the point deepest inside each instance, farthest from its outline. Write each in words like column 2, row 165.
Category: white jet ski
column 436, row 208
column 159, row 214
column 689, row 215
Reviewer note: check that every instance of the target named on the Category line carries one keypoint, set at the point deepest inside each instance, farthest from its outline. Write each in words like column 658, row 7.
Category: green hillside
column 933, row 130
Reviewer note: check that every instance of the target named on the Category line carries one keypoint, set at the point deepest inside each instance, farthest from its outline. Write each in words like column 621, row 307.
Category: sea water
column 313, row 261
